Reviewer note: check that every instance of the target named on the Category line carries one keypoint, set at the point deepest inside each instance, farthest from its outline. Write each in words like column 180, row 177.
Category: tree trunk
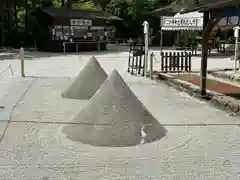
column 15, row 13
column 208, row 26
column 9, row 17
column 26, row 15
column 69, row 4
column 62, row 3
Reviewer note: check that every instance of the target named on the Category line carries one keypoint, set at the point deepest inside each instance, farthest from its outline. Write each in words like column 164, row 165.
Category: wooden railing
column 136, row 59
column 77, row 43
column 176, row 61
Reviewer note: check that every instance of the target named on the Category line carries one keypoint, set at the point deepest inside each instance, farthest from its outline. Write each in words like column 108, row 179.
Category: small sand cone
column 87, row 82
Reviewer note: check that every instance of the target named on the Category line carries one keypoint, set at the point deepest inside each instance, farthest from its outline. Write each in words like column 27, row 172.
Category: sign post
column 236, row 35
column 22, row 61
column 146, row 42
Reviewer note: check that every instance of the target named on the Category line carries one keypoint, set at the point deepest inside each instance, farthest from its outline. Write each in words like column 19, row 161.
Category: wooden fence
column 136, row 59
column 176, row 61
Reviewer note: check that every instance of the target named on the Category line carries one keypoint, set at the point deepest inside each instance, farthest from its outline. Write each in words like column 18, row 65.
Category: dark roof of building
column 208, row 5
column 190, row 6
column 168, row 10
column 79, row 13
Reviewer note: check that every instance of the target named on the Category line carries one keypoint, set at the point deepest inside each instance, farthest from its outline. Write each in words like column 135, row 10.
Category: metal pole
column 22, row 61
column 161, row 38
column 236, row 35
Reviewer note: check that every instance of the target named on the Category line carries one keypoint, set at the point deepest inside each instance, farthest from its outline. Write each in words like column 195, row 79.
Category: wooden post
column 178, row 61
column 162, row 61
column 151, row 66
column 204, row 54
column 129, row 57
column 170, row 61
column 182, row 61
column 166, row 61
column 136, row 64
column 208, row 24
column 22, row 61
column 174, row 61
column 186, row 61
column 64, row 48
column 77, row 47
column 132, row 64
column 190, row 62
column 98, row 44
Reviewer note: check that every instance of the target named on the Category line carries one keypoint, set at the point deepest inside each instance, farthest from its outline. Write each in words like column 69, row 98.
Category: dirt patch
column 212, row 85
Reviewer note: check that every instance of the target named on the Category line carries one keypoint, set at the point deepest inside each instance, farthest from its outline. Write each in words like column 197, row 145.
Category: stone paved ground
column 201, row 143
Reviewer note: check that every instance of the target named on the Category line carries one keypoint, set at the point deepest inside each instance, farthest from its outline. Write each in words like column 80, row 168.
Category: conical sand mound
column 114, row 117
column 87, row 82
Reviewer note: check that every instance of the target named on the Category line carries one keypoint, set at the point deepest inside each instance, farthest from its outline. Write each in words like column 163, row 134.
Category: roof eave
column 213, row 6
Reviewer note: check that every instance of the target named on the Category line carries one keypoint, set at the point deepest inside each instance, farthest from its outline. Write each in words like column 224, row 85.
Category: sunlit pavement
column 201, row 142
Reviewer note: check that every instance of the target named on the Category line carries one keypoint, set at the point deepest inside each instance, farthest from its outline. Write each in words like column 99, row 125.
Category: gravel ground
column 201, row 142
column 51, row 64
column 41, row 151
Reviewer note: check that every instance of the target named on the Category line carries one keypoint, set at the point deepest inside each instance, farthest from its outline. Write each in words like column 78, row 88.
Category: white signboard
column 80, row 22
column 174, row 23
column 97, row 28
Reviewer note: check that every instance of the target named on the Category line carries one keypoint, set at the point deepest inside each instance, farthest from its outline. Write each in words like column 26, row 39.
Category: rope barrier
column 9, row 67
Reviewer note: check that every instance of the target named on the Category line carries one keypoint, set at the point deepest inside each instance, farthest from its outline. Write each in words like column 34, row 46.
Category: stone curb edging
column 225, row 76
column 223, row 102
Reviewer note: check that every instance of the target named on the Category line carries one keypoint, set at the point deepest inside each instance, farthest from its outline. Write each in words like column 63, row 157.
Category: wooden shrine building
column 63, row 29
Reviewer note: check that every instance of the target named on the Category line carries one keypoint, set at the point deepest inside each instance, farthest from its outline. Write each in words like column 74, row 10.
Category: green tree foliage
column 136, row 9
column 16, row 15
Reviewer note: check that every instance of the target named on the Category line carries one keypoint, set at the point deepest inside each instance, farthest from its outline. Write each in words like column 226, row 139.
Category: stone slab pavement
column 201, row 143
column 41, row 151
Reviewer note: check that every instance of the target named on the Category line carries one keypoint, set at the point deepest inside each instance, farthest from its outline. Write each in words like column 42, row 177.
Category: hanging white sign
column 180, row 22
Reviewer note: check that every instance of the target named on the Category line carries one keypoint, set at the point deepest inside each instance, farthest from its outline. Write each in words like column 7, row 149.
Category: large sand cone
column 114, row 117
column 87, row 82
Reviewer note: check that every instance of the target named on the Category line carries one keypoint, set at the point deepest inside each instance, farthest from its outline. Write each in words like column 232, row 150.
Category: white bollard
column 22, row 61
column 146, row 42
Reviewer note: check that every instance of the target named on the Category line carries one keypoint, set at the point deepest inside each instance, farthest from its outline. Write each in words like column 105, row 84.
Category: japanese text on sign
column 180, row 22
